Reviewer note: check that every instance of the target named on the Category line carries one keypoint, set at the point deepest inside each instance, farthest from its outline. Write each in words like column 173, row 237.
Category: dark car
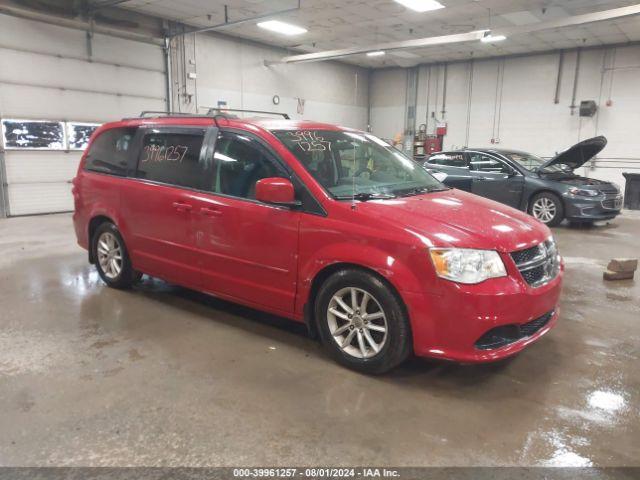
column 546, row 189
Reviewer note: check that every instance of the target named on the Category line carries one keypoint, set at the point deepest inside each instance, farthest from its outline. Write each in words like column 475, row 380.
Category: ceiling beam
column 78, row 24
column 388, row 46
column 104, row 4
column 463, row 37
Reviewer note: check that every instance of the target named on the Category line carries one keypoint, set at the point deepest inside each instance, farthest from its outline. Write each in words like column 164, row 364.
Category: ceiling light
column 282, row 27
column 488, row 38
column 377, row 53
column 421, row 5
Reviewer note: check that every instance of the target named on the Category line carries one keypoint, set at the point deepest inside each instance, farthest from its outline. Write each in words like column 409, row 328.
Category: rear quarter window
column 109, row 153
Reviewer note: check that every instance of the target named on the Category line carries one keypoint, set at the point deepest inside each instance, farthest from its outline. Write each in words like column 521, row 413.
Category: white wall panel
column 46, row 73
column 234, row 71
column 527, row 116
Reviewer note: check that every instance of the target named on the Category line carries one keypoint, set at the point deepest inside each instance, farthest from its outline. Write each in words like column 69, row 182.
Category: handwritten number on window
column 172, row 153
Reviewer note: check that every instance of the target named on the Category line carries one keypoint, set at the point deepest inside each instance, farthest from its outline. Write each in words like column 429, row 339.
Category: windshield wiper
column 419, row 190
column 363, row 196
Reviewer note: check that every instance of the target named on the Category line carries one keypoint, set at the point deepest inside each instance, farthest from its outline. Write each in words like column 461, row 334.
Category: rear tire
column 547, row 208
column 111, row 257
column 362, row 322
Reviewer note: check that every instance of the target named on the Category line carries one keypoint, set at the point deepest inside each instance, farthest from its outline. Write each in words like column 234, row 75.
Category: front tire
column 547, row 208
column 362, row 322
column 111, row 257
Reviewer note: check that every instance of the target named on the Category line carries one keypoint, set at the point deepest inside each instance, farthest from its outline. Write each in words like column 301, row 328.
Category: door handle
column 210, row 212
column 182, row 207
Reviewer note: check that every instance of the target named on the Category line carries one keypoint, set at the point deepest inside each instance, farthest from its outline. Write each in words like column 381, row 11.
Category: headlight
column 583, row 193
column 465, row 265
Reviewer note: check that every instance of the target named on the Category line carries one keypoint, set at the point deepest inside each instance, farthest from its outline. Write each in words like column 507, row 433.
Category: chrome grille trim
column 546, row 263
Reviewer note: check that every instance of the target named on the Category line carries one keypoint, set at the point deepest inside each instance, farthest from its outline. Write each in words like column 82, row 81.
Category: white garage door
column 46, row 74
column 39, row 182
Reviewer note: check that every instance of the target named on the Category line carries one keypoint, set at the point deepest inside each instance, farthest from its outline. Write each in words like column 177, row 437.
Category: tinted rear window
column 110, row 151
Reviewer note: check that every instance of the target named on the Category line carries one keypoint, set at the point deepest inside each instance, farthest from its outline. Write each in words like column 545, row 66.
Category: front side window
column 355, row 163
column 480, row 162
column 239, row 162
column 109, row 153
column 174, row 158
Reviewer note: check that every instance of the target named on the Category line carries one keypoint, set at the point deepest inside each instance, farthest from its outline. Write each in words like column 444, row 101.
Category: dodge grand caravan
column 321, row 224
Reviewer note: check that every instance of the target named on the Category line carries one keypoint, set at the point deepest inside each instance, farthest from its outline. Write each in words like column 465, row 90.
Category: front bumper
column 451, row 325
column 592, row 208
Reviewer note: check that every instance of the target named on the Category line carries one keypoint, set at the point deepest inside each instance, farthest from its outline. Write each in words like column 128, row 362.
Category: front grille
column 533, row 275
column 533, row 326
column 506, row 334
column 525, row 255
column 614, row 203
column 538, row 265
column 610, row 191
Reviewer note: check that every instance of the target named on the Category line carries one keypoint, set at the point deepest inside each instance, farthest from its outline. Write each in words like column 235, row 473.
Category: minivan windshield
column 357, row 164
column 531, row 162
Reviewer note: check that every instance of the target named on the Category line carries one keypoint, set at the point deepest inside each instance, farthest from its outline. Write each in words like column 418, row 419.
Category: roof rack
column 158, row 113
column 212, row 112
column 222, row 111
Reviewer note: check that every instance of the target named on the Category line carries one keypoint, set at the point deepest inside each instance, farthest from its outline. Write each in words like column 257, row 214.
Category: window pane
column 239, row 164
column 449, row 160
column 174, row 158
column 347, row 163
column 485, row 163
column 78, row 134
column 33, row 134
column 109, row 152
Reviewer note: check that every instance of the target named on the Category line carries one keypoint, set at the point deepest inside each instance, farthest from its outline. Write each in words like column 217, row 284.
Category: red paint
column 267, row 256
column 275, row 190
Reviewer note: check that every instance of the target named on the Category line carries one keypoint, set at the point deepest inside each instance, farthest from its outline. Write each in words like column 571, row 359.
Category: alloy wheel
column 544, row 209
column 109, row 255
column 357, row 322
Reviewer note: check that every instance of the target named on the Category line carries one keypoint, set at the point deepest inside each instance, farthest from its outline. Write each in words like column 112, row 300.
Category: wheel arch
column 92, row 226
column 538, row 191
column 323, row 274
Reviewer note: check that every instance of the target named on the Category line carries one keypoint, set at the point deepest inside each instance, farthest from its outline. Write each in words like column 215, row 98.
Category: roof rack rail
column 147, row 113
column 222, row 111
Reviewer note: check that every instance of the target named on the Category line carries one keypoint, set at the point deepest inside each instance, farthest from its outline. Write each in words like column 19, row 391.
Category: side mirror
column 276, row 191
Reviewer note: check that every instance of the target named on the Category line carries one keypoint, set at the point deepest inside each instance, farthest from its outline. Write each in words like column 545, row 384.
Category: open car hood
column 579, row 154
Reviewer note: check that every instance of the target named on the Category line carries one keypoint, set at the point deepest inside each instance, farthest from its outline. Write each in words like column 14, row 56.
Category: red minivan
column 321, row 224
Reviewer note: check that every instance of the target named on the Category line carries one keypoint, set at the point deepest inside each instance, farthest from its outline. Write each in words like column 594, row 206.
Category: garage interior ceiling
column 335, row 24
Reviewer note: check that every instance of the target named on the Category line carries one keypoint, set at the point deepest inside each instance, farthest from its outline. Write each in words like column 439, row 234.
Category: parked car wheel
column 112, row 259
column 362, row 322
column 547, row 207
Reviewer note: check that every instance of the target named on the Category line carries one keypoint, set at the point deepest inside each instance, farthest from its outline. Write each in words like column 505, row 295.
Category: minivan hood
column 579, row 154
column 460, row 219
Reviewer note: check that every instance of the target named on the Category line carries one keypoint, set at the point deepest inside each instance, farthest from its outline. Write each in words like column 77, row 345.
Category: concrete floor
column 165, row 376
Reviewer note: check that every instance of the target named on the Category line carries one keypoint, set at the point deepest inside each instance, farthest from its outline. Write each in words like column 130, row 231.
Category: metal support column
column 4, row 194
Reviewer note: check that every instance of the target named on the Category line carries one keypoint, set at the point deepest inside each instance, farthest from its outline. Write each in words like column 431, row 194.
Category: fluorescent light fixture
column 282, row 27
column 377, row 53
column 492, row 38
column 421, row 5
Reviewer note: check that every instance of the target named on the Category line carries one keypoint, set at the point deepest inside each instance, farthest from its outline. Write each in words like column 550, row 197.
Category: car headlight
column 465, row 265
column 583, row 193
